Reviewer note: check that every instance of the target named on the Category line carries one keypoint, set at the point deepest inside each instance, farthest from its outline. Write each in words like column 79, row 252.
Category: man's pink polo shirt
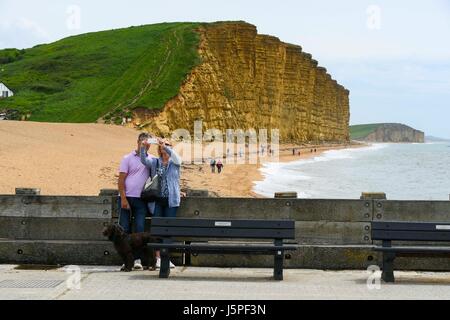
column 137, row 174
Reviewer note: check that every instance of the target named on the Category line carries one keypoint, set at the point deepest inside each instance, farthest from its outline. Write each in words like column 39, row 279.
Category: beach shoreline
column 81, row 159
column 238, row 180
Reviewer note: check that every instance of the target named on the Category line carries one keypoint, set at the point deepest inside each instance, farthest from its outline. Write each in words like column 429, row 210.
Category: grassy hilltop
column 362, row 130
column 90, row 76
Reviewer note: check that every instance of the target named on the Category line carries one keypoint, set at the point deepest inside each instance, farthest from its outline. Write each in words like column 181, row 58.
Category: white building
column 5, row 92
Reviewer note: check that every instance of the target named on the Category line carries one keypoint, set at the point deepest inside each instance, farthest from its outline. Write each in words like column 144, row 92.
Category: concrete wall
column 55, row 230
column 332, row 234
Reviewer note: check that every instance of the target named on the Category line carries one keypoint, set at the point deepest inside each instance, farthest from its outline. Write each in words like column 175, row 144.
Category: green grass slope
column 362, row 130
column 101, row 74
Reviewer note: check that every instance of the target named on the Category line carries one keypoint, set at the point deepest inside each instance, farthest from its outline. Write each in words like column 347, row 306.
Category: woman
column 168, row 169
column 219, row 166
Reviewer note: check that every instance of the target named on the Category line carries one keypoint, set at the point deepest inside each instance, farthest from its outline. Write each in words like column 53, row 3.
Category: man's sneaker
column 138, row 265
column 158, row 264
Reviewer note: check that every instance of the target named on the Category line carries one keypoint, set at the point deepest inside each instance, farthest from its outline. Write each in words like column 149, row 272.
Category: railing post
column 197, row 193
column 373, row 196
column 108, row 192
column 286, row 195
column 28, row 191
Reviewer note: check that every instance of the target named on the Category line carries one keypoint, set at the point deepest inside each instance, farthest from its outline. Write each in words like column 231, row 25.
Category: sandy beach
column 237, row 180
column 81, row 159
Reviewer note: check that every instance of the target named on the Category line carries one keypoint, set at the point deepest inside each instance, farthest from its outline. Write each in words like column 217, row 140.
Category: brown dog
column 131, row 246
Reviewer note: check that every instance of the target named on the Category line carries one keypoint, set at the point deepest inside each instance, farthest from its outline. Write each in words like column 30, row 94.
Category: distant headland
column 386, row 132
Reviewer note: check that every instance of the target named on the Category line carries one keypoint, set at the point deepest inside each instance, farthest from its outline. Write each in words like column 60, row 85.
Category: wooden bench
column 169, row 228
column 408, row 231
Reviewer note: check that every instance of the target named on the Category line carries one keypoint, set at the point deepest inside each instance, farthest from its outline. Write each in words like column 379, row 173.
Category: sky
column 393, row 55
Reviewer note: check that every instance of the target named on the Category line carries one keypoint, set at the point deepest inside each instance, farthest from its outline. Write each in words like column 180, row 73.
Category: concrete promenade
column 106, row 283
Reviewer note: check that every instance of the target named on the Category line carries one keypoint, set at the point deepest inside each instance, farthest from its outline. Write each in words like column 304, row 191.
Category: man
column 132, row 177
column 219, row 166
column 212, row 163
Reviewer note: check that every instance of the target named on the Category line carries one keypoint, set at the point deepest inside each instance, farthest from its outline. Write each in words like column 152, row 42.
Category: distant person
column 168, row 168
column 315, row 150
column 293, row 151
column 219, row 166
column 132, row 177
column 213, row 165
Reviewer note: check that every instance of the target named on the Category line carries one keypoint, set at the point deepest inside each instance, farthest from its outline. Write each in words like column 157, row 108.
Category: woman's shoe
column 137, row 265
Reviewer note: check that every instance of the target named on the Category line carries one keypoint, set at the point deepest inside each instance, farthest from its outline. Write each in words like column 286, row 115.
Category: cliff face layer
column 391, row 132
column 251, row 81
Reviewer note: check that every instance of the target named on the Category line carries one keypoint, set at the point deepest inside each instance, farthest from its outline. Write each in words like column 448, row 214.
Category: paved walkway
column 214, row 283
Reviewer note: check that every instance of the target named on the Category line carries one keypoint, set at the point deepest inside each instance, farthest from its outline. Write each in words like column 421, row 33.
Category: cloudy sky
column 393, row 55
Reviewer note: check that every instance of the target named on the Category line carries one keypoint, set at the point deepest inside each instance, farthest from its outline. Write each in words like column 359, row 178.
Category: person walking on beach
column 219, row 166
column 213, row 165
column 132, row 177
column 168, row 168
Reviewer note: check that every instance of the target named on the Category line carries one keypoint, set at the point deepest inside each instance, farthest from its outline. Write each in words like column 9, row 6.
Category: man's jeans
column 138, row 210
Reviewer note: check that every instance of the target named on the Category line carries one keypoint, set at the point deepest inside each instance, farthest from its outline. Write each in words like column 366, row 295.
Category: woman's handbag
column 152, row 189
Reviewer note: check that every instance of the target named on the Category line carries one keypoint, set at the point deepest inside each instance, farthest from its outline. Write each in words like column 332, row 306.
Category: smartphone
column 152, row 141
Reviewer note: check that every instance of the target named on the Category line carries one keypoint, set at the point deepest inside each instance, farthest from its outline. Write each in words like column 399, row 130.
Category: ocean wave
column 279, row 176
column 403, row 171
column 434, row 142
column 329, row 155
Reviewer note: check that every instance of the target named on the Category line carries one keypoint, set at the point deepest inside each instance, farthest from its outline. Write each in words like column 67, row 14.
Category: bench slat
column 410, row 235
column 411, row 226
column 205, row 248
column 236, row 224
column 414, row 249
column 223, row 233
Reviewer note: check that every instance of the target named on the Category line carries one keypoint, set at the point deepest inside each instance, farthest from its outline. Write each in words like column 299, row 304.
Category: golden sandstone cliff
column 251, row 81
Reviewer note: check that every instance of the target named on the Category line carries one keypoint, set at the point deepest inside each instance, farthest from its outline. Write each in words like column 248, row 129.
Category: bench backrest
column 223, row 228
column 411, row 231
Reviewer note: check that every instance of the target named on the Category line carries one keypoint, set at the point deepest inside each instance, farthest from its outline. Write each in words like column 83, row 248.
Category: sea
column 417, row 171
